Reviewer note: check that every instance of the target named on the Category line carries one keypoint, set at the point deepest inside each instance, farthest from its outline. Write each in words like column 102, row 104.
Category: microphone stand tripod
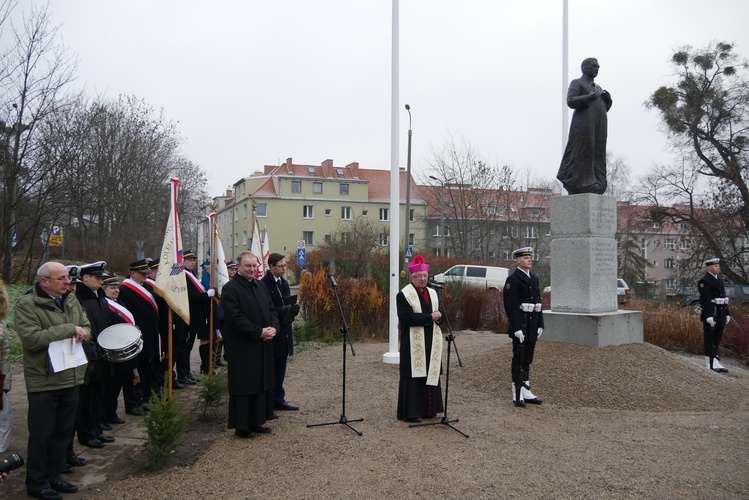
column 445, row 420
column 346, row 337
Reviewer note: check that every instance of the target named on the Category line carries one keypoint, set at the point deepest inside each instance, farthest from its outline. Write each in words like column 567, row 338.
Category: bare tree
column 39, row 69
column 353, row 245
column 706, row 116
column 617, row 176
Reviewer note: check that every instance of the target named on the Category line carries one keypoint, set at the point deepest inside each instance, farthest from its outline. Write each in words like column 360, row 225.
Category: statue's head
column 590, row 67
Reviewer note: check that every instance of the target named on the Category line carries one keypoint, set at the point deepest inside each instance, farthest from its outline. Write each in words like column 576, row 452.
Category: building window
column 644, row 248
column 317, row 187
column 328, row 238
column 244, row 211
column 308, row 237
column 344, row 189
column 531, row 232
column 683, row 227
column 236, row 239
column 296, row 186
column 535, row 212
column 345, row 237
column 346, row 213
column 365, row 213
column 261, row 210
column 244, row 238
column 411, row 239
column 327, row 212
column 308, row 211
column 668, row 263
column 685, row 244
column 236, row 214
column 670, row 284
column 411, row 214
column 340, row 173
column 384, row 240
column 384, row 214
column 437, row 231
column 669, row 243
column 311, row 170
column 656, row 225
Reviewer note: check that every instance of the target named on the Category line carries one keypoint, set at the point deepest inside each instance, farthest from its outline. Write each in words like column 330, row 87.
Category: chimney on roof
column 228, row 191
column 288, row 163
column 354, row 167
column 327, row 168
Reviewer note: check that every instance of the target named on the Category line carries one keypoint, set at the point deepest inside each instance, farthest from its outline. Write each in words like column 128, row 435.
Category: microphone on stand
column 332, row 280
column 435, row 285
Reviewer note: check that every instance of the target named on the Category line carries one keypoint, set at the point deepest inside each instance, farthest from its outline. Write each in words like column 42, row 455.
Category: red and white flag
column 170, row 280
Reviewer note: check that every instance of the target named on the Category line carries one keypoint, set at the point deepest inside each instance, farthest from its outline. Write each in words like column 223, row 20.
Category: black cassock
column 248, row 309
column 415, row 398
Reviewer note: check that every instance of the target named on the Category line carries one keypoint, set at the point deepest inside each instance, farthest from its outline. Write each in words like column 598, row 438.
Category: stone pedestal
column 583, row 275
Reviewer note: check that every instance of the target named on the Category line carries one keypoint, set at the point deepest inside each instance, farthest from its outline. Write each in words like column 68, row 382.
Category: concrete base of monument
column 597, row 329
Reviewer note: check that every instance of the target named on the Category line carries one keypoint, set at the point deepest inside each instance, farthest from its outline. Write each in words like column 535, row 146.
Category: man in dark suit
column 524, row 328
column 715, row 315
column 251, row 322
column 283, row 343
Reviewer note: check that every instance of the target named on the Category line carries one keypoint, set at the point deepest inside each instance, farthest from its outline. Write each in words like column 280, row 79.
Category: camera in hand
column 11, row 462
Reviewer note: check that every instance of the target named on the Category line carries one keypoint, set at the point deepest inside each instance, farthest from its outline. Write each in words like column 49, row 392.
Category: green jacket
column 39, row 322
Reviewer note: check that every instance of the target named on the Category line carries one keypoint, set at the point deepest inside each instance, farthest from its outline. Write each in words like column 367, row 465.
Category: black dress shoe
column 219, row 362
column 77, row 461
column 45, row 494
column 261, row 429
column 275, row 416
column 415, row 420
column 134, row 411
column 116, row 420
column 67, row 469
column 186, row 381
column 105, row 426
column 65, row 487
column 244, row 433
column 105, row 439
column 94, row 443
column 519, row 404
column 177, row 385
column 192, row 377
column 286, row 407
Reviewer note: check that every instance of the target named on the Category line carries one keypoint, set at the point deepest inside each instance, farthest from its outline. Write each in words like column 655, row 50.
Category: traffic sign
column 301, row 244
column 56, row 234
column 409, row 252
column 301, row 256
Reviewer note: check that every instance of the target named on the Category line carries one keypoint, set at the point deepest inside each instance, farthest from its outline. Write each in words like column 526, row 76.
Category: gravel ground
column 630, row 421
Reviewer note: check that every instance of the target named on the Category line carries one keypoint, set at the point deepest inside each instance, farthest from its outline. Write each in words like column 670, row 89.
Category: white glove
column 211, row 292
column 728, row 318
column 540, row 331
column 519, row 335
column 710, row 321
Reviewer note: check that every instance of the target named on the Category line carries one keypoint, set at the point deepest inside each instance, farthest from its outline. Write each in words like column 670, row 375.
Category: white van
column 478, row 276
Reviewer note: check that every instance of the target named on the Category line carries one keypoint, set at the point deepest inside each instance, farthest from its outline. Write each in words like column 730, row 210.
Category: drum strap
column 121, row 311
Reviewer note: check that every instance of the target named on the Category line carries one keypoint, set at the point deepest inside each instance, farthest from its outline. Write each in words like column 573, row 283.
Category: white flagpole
column 393, row 356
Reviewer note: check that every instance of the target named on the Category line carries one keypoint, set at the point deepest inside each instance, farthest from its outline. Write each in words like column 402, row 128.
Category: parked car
column 622, row 291
column 479, row 276
column 738, row 294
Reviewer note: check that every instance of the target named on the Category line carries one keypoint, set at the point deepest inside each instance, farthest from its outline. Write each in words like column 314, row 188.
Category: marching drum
column 120, row 342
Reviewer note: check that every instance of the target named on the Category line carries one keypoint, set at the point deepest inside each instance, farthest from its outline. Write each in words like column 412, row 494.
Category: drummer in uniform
column 98, row 377
column 142, row 304
column 124, row 372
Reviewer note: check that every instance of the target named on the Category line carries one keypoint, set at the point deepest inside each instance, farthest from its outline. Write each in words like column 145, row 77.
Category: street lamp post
column 442, row 215
column 408, row 183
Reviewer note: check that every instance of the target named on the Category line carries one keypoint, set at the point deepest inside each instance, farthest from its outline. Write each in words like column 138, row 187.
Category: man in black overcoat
column 251, row 323
column 715, row 315
column 522, row 287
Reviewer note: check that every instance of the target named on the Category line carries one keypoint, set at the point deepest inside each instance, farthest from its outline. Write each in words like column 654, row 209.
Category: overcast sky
column 254, row 82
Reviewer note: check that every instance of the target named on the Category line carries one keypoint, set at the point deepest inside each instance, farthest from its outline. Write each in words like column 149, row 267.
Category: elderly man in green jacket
column 48, row 313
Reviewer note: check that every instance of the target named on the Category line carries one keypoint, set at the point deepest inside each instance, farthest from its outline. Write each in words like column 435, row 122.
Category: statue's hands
column 710, row 321
column 540, row 331
column 519, row 335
